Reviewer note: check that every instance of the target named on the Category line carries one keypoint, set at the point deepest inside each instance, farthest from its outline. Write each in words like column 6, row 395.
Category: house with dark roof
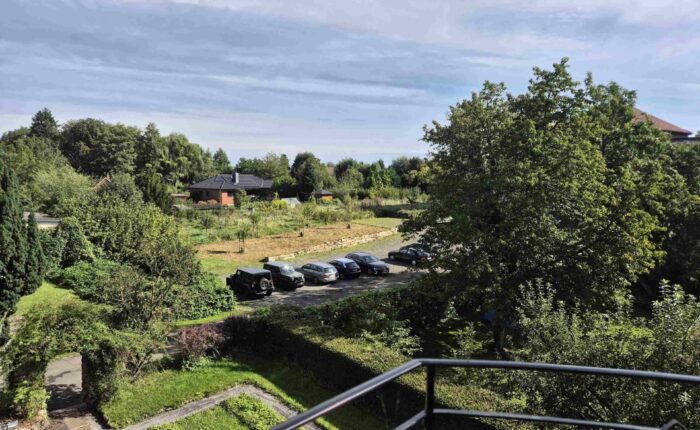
column 324, row 195
column 221, row 188
column 676, row 133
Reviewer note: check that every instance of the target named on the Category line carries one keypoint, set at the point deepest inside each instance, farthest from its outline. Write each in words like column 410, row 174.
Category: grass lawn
column 46, row 293
column 239, row 412
column 240, row 310
column 216, row 418
column 380, row 222
column 170, row 389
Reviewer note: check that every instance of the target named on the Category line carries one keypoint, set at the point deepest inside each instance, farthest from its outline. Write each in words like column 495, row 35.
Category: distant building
column 180, row 197
column 291, row 201
column 676, row 133
column 43, row 221
column 221, row 188
column 324, row 195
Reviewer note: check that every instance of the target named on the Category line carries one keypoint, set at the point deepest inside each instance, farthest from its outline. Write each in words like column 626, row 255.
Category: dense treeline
column 308, row 173
column 55, row 164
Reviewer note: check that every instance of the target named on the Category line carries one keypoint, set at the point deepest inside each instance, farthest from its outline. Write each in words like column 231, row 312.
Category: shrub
column 77, row 248
column 87, row 280
column 252, row 412
column 29, row 400
column 208, row 296
column 196, row 342
column 669, row 342
column 53, row 247
column 279, row 205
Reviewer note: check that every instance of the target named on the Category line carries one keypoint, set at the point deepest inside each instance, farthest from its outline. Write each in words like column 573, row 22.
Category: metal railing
column 428, row 414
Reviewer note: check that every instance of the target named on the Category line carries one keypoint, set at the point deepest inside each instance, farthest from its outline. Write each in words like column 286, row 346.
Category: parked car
column 318, row 272
column 411, row 254
column 284, row 275
column 369, row 263
column 251, row 282
column 347, row 269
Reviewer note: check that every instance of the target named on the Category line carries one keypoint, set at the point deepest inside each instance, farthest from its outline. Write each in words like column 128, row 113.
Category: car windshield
column 328, row 270
column 286, row 270
column 370, row 259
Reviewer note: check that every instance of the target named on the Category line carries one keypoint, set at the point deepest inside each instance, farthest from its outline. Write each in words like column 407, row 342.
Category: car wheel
column 342, row 276
column 413, row 262
column 391, row 257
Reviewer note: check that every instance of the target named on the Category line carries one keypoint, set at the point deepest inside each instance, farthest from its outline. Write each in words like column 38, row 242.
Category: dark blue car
column 369, row 263
column 347, row 269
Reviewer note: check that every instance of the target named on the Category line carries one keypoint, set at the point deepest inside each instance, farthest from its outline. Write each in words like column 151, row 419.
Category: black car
column 251, row 282
column 411, row 254
column 369, row 263
column 347, row 269
column 284, row 275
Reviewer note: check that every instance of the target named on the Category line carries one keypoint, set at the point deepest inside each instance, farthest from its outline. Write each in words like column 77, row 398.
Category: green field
column 380, row 222
column 240, row 412
column 240, row 310
column 170, row 389
column 216, row 418
column 47, row 293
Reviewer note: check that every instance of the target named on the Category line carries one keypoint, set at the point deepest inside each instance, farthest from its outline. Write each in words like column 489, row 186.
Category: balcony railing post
column 430, row 397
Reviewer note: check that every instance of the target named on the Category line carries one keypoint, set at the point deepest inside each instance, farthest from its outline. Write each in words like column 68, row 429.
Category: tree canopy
column 556, row 185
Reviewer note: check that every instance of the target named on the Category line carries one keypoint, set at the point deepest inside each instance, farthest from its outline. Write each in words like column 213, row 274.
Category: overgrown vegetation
column 171, row 388
column 553, row 215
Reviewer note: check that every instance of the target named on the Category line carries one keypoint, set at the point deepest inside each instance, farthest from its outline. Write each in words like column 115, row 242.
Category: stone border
column 335, row 244
column 211, row 401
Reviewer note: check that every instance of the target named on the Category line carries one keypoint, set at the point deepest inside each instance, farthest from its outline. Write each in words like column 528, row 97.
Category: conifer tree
column 13, row 247
column 35, row 262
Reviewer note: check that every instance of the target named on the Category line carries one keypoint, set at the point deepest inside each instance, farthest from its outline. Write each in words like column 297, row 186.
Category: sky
column 343, row 78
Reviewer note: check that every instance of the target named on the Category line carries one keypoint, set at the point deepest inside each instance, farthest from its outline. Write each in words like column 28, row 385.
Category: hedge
column 343, row 363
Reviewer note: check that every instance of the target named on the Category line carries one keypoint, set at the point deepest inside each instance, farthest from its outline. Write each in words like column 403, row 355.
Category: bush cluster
column 343, row 362
column 87, row 279
column 197, row 342
column 209, row 295
column 252, row 412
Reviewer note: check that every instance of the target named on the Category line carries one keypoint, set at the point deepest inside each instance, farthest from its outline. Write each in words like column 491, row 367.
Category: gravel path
column 210, row 402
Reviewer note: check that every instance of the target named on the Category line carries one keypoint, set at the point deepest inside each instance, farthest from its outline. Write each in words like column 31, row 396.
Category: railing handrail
column 432, row 363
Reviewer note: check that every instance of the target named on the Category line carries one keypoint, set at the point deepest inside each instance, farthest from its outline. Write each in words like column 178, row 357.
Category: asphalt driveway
column 310, row 295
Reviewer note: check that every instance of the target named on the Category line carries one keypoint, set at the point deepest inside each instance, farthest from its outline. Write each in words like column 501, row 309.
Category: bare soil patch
column 286, row 243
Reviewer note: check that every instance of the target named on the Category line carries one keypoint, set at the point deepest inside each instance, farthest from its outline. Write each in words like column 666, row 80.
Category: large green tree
column 154, row 188
column 97, row 148
column 44, row 125
column 150, row 148
column 555, row 185
column 221, row 162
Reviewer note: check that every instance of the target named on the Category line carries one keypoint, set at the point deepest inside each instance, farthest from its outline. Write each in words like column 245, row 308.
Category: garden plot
column 289, row 245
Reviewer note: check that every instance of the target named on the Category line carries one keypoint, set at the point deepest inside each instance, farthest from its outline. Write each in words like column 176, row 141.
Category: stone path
column 210, row 402
column 64, row 382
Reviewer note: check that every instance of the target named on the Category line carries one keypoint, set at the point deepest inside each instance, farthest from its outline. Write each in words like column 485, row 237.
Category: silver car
column 319, row 273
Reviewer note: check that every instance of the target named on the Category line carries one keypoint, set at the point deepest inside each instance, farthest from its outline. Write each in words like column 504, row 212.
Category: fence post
column 430, row 397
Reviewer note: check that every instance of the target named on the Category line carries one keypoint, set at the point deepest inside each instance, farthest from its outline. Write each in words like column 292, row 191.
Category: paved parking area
column 310, row 295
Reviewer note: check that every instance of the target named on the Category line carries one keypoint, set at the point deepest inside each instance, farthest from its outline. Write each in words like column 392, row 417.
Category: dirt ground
column 287, row 243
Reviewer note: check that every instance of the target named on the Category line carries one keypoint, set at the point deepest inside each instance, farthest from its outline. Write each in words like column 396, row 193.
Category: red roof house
column 672, row 129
